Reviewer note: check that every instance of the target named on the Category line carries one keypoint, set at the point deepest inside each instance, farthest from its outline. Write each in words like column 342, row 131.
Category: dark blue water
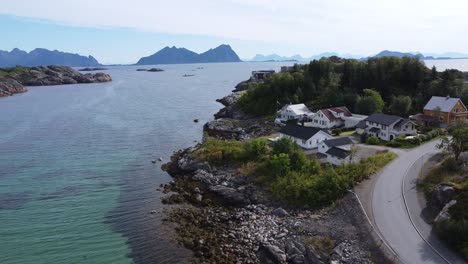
column 76, row 179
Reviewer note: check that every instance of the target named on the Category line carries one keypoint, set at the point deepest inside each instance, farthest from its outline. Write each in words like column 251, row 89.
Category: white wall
column 337, row 161
column 322, row 147
column 311, row 142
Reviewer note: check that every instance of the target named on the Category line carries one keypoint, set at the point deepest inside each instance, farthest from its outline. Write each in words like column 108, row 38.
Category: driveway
column 396, row 210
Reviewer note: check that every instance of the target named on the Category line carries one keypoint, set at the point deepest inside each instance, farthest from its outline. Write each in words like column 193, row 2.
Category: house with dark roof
column 449, row 110
column 335, row 117
column 386, row 127
column 338, row 156
column 336, row 150
column 305, row 137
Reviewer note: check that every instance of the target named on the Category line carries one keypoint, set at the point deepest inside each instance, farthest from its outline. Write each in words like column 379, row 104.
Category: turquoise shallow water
column 76, row 179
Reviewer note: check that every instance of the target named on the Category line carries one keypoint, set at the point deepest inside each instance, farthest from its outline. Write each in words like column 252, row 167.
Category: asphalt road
column 395, row 220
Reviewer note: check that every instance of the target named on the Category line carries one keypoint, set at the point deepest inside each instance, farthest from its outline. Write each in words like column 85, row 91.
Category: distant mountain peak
column 45, row 57
column 222, row 53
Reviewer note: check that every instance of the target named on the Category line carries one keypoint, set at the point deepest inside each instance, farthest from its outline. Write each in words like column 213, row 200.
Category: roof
column 383, row 119
column 423, row 117
column 446, row 104
column 361, row 124
column 337, row 152
column 374, row 130
column 298, row 131
column 335, row 142
column 402, row 122
column 328, row 112
column 298, row 109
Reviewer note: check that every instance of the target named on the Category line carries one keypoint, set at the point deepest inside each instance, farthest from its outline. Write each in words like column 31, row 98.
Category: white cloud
column 347, row 26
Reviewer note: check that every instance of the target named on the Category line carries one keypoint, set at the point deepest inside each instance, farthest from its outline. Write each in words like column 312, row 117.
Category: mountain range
column 426, row 56
column 167, row 55
column 44, row 57
column 276, row 57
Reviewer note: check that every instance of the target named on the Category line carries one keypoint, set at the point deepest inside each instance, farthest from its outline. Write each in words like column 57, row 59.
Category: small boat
column 188, row 75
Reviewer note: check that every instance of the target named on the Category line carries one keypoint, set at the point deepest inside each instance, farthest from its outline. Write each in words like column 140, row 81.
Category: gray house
column 386, row 127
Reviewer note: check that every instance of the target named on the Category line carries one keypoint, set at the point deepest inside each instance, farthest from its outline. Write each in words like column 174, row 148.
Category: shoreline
column 225, row 217
column 16, row 79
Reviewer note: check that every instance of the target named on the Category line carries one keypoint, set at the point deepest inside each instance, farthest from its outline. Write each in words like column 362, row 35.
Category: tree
column 285, row 145
column 458, row 143
column 370, row 102
column 401, row 105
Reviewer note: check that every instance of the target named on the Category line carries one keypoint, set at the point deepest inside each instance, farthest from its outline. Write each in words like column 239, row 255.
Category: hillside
column 44, row 57
column 167, row 55
column 346, row 82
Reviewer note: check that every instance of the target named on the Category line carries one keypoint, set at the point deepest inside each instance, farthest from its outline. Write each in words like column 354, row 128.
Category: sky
column 122, row 31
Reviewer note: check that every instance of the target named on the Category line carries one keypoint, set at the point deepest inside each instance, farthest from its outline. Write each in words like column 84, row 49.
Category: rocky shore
column 14, row 80
column 224, row 216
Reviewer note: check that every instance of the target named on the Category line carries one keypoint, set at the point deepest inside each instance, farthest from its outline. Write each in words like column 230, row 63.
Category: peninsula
column 14, row 80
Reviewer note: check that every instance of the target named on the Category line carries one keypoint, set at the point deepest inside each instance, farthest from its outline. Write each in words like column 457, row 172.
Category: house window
column 384, row 127
column 304, row 141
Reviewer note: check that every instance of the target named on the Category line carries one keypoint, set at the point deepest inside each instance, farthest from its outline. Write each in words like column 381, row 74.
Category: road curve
column 394, row 219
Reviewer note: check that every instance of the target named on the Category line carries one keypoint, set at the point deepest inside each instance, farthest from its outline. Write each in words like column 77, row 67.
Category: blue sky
column 121, row 31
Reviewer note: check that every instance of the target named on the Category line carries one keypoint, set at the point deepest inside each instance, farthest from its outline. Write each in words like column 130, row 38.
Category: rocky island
column 226, row 215
column 151, row 70
column 93, row 69
column 14, row 80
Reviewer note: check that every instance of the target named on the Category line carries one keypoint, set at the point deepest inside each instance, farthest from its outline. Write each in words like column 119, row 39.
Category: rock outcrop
column 444, row 214
column 13, row 80
column 9, row 87
column 441, row 196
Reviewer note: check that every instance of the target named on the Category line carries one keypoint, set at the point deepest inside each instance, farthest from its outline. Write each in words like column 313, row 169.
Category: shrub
column 285, row 145
column 256, row 148
column 337, row 131
column 373, row 140
column 279, row 165
column 217, row 152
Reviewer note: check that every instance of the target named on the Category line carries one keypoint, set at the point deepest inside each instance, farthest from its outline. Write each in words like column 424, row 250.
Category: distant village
column 333, row 134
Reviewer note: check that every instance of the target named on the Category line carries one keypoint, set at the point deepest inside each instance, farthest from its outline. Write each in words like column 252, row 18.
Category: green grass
column 348, row 133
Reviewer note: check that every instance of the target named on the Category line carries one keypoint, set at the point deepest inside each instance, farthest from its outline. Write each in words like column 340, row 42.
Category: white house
column 335, row 117
column 338, row 156
column 337, row 150
column 305, row 137
column 293, row 112
column 386, row 127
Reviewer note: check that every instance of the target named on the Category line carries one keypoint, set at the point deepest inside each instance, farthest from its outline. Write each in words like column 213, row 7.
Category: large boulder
column 230, row 99
column 224, row 128
column 271, row 254
column 188, row 164
column 230, row 196
column 441, row 195
column 444, row 214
